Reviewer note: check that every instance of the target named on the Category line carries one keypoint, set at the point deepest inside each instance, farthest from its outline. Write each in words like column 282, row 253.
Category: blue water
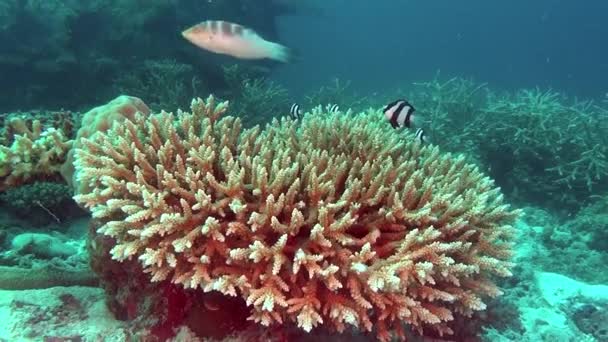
column 511, row 44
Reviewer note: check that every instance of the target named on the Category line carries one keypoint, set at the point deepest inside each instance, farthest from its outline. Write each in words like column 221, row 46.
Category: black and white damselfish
column 333, row 108
column 400, row 113
column 295, row 112
column 420, row 136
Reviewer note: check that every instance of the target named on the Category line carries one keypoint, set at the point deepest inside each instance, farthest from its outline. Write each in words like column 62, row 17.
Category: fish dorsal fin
column 226, row 28
column 233, row 29
column 248, row 32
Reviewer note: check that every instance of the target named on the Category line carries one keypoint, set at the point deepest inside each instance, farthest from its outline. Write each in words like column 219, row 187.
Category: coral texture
column 540, row 146
column 34, row 154
column 100, row 119
column 338, row 221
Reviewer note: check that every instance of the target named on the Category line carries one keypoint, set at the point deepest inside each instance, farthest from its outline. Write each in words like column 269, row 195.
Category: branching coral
column 35, row 153
column 100, row 119
column 16, row 123
column 165, row 83
column 255, row 96
column 561, row 145
column 539, row 146
column 339, row 222
column 451, row 109
column 339, row 92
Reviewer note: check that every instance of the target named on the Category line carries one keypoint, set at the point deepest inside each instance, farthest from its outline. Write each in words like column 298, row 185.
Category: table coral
column 337, row 221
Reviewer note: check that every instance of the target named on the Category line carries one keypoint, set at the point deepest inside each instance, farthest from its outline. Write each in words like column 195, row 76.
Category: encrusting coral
column 338, row 221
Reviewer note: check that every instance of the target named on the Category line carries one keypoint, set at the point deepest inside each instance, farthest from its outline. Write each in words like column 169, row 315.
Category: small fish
column 333, row 108
column 400, row 113
column 234, row 40
column 420, row 136
column 295, row 112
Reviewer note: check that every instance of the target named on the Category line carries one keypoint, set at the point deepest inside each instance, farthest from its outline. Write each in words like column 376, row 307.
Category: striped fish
column 295, row 112
column 333, row 108
column 420, row 136
column 399, row 113
column 234, row 40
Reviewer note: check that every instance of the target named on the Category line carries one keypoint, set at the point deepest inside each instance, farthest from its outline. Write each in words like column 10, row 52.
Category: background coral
column 341, row 93
column 15, row 123
column 40, row 202
column 340, row 222
column 85, row 46
column 539, row 146
column 579, row 246
column 255, row 98
column 35, row 153
column 164, row 83
column 100, row 119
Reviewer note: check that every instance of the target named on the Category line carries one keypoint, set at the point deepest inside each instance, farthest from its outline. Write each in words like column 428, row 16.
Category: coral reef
column 540, row 147
column 99, row 119
column 159, row 307
column 341, row 93
column 15, row 123
column 40, row 202
column 579, row 246
column 338, row 222
column 256, row 99
column 35, row 153
column 84, row 46
column 590, row 315
column 164, row 83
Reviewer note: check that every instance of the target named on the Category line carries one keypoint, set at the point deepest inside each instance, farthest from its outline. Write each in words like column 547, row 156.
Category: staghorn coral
column 340, row 92
column 568, row 139
column 34, row 154
column 163, row 82
column 538, row 145
column 339, row 222
column 15, row 123
column 257, row 99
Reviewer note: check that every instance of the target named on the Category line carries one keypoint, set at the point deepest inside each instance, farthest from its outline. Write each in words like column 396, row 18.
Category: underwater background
column 242, row 217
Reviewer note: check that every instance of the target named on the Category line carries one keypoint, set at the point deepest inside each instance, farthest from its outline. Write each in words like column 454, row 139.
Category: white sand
column 32, row 315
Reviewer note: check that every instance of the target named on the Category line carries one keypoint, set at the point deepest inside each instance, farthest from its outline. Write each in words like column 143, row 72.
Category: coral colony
column 334, row 222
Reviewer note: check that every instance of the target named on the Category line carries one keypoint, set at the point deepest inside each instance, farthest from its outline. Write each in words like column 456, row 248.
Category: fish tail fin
column 281, row 53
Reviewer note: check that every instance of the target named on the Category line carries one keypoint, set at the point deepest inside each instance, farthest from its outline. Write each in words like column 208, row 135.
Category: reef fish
column 235, row 40
column 333, row 108
column 420, row 136
column 400, row 113
column 295, row 112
